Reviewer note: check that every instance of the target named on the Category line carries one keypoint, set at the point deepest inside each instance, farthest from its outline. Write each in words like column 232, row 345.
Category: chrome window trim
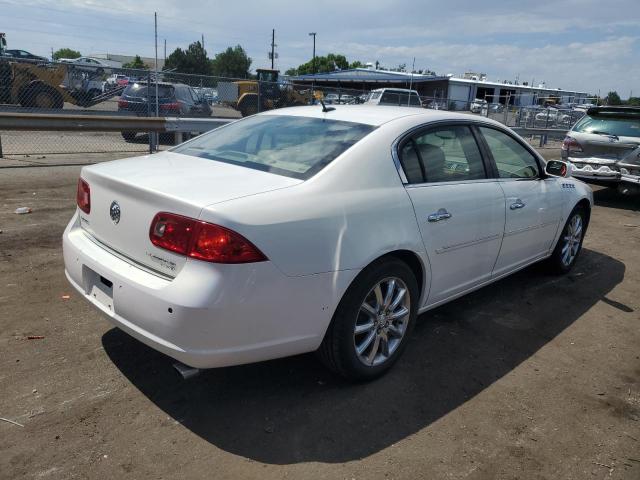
column 452, row 182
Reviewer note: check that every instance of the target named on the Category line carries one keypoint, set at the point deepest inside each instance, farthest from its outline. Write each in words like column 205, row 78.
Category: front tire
column 569, row 244
column 128, row 136
column 370, row 327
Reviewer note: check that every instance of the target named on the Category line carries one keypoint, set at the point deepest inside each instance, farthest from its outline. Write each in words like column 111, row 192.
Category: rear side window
column 512, row 159
column 445, row 154
column 296, row 147
column 609, row 124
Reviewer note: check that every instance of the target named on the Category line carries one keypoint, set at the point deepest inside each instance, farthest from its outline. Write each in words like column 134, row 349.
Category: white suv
column 399, row 97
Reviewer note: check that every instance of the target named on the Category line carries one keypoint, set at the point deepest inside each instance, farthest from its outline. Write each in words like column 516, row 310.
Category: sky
column 583, row 45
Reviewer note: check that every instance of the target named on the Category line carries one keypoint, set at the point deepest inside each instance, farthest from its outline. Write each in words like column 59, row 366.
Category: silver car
column 604, row 148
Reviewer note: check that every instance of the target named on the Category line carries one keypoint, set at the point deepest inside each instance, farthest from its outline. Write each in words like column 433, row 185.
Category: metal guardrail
column 543, row 133
column 120, row 123
column 106, row 123
column 550, row 132
column 19, row 121
column 33, row 122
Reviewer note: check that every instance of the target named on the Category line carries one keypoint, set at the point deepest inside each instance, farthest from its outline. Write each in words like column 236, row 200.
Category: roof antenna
column 326, row 109
column 413, row 67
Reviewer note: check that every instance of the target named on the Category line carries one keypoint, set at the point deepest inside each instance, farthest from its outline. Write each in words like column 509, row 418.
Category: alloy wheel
column 571, row 240
column 382, row 321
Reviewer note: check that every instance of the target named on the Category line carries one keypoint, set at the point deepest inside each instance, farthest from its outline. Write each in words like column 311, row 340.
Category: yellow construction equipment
column 265, row 93
column 49, row 85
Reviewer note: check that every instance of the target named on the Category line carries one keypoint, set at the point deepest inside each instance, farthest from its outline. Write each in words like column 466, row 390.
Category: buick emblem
column 114, row 212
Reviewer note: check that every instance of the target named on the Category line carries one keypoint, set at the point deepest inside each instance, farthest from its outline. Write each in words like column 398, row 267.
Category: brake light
column 123, row 103
column 83, row 196
column 202, row 240
column 170, row 106
column 571, row 144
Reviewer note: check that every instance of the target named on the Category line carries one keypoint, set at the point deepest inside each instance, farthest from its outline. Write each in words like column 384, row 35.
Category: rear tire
column 248, row 104
column 569, row 244
column 41, row 96
column 129, row 136
column 369, row 329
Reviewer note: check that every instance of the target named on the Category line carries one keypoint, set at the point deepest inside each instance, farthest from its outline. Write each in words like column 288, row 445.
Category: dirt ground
column 535, row 377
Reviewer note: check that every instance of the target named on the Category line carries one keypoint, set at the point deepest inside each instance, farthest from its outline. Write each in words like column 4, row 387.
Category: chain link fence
column 84, row 88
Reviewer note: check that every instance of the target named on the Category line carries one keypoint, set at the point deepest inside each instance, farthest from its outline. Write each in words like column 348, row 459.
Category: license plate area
column 98, row 288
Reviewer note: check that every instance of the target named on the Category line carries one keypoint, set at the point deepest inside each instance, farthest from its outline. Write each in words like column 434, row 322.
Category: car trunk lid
column 166, row 182
column 608, row 147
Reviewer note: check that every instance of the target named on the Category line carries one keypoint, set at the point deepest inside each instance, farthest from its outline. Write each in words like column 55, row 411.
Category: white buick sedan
column 303, row 229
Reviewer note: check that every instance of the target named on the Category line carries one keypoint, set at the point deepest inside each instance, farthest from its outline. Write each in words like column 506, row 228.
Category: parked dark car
column 174, row 100
column 24, row 55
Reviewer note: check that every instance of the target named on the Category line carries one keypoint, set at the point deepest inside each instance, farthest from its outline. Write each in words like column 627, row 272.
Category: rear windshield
column 399, row 98
column 296, row 147
column 140, row 90
column 609, row 124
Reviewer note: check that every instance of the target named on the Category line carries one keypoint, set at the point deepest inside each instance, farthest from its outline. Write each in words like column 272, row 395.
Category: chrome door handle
column 517, row 204
column 441, row 214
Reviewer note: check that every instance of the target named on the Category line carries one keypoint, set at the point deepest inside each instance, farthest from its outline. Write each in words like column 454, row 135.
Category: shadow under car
column 292, row 410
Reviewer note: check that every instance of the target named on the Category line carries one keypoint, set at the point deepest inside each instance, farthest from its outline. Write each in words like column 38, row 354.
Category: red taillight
column 571, row 144
column 123, row 103
column 170, row 106
column 202, row 240
column 83, row 196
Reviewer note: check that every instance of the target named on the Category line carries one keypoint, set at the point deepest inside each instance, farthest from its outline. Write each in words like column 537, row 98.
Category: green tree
column 136, row 63
column 613, row 98
column 192, row 60
column 65, row 53
column 634, row 101
column 292, row 72
column 232, row 63
column 327, row 64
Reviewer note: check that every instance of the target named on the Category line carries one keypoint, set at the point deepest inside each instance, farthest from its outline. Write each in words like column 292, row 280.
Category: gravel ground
column 533, row 377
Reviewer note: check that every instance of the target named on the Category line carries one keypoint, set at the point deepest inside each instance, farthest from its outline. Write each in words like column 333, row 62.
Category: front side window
column 296, row 147
column 512, row 159
column 444, row 154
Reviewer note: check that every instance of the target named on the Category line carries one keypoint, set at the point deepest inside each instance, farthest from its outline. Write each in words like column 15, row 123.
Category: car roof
column 160, row 84
column 402, row 90
column 614, row 109
column 374, row 115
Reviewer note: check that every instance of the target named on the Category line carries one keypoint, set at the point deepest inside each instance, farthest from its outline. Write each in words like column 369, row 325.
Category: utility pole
column 273, row 47
column 313, row 34
column 155, row 25
column 202, row 41
column 165, row 50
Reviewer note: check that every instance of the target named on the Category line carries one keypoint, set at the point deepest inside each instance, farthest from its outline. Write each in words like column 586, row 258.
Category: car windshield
column 296, row 147
column 612, row 123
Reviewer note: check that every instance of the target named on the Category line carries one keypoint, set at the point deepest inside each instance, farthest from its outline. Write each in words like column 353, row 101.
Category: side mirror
column 557, row 168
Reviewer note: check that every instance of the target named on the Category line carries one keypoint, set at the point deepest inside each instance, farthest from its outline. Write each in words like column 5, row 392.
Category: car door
column 533, row 201
column 459, row 208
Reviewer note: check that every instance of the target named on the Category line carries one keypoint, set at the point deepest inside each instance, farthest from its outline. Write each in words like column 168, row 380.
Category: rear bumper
column 601, row 170
column 210, row 315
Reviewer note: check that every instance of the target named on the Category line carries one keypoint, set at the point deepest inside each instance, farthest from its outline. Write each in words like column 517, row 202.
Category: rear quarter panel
column 349, row 214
